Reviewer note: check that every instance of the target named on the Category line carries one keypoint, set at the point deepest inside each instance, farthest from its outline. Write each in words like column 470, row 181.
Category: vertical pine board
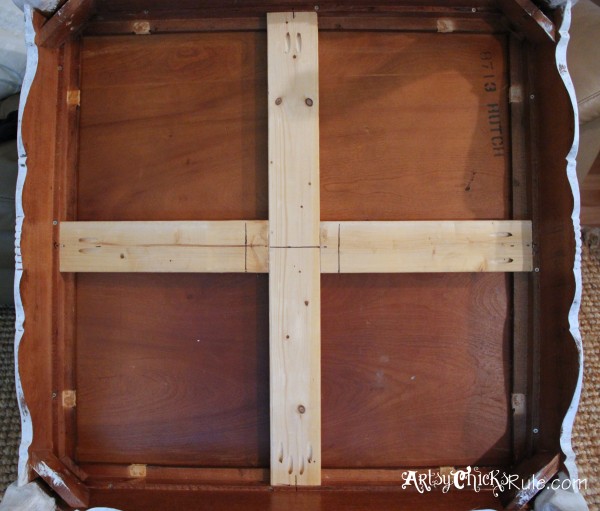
column 295, row 356
column 294, row 261
column 293, row 129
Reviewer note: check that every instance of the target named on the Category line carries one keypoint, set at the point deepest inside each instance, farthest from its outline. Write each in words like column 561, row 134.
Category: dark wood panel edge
column 444, row 22
column 532, row 474
column 560, row 346
column 56, row 475
column 65, row 23
column 528, row 19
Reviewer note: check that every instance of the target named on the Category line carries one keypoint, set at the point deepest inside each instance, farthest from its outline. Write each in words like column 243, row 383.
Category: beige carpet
column 586, row 435
column 9, row 413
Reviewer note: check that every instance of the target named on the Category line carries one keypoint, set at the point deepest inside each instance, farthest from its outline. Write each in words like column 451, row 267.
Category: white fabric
column 47, row 6
column 560, row 500
column 26, row 498
column 12, row 49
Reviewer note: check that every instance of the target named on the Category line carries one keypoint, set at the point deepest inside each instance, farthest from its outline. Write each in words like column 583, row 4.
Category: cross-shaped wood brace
column 295, row 248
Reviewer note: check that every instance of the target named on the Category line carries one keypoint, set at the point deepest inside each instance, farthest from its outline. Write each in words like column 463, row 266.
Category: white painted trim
column 26, row 424
column 561, row 63
column 46, row 6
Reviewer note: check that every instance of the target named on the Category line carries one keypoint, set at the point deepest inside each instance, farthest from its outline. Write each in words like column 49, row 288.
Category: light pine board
column 295, row 365
column 292, row 47
column 294, row 262
column 346, row 247
column 409, row 247
column 211, row 246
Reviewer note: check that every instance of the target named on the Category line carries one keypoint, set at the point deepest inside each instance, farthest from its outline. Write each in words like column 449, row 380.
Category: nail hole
column 306, row 302
column 122, row 256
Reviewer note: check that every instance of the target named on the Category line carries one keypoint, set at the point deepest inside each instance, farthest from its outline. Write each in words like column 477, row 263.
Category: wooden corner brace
column 68, row 21
column 56, row 475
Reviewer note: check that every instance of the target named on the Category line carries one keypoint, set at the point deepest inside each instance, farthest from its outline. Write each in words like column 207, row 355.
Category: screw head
column 301, row 409
column 309, row 102
column 278, row 101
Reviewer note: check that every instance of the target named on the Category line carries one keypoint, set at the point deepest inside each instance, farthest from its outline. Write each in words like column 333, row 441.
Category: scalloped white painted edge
column 569, row 419
column 30, row 71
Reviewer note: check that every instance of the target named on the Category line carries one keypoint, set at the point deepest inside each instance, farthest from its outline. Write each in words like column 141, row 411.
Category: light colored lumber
column 293, row 129
column 295, row 364
column 294, row 253
column 212, row 246
column 426, row 246
column 346, row 247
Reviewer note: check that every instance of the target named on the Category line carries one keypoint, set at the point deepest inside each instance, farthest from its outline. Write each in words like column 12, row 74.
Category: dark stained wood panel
column 173, row 369
column 174, row 127
column 408, row 124
column 229, row 7
column 223, row 500
column 416, row 370
column 556, row 353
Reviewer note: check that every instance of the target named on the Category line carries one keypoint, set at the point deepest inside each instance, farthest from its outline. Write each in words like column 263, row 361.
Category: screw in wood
column 309, row 102
column 278, row 101
column 301, row 409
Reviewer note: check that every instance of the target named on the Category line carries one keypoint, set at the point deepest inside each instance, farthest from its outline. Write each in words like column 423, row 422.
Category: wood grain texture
column 35, row 254
column 528, row 19
column 407, row 126
column 390, row 247
column 543, row 466
column 265, row 6
column 293, row 129
column 558, row 358
column 294, row 254
column 168, row 374
column 346, row 247
column 65, row 200
column 66, row 23
column 238, row 500
column 446, row 19
column 209, row 247
column 174, row 127
column 295, row 339
column 416, row 370
column 60, row 479
column 522, row 284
